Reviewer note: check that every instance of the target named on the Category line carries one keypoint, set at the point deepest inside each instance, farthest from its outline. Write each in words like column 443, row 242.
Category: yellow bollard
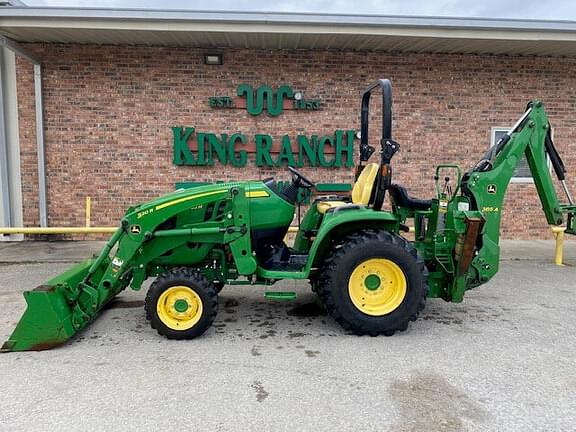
column 88, row 210
column 559, row 237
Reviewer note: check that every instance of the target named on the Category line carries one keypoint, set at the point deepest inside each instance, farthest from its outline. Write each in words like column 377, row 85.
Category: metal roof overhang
column 289, row 31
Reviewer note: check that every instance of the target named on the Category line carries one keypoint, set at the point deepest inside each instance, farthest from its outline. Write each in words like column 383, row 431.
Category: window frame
column 514, row 179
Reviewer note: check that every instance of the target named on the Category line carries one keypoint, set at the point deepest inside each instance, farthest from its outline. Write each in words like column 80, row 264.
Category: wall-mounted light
column 213, row 59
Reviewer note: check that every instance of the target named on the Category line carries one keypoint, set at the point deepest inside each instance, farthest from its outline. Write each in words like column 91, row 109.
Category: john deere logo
column 265, row 98
column 491, row 189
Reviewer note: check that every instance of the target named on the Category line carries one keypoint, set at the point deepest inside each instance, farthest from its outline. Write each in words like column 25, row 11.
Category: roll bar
column 366, row 150
column 388, row 147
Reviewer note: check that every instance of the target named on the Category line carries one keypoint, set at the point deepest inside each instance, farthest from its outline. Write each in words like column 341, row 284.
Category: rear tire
column 181, row 304
column 373, row 283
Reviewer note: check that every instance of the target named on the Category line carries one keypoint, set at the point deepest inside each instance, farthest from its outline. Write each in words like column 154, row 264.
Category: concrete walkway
column 503, row 360
column 74, row 251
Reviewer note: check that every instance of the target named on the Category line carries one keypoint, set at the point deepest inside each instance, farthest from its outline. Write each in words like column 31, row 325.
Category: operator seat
column 400, row 198
column 361, row 192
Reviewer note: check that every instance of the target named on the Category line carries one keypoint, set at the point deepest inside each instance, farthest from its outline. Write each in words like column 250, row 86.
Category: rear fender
column 340, row 223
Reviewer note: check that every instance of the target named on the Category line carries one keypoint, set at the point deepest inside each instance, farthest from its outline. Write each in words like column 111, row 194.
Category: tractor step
column 280, row 295
column 294, row 263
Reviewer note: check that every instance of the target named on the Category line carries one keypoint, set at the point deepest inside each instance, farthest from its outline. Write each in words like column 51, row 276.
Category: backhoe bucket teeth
column 48, row 319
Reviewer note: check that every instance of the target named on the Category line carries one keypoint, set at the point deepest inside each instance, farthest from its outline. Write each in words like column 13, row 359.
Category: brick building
column 130, row 97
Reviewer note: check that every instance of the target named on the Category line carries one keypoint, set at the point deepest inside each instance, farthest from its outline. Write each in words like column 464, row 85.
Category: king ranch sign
column 198, row 148
column 205, row 148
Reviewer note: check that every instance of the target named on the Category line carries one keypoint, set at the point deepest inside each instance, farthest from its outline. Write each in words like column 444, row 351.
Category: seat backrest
column 362, row 190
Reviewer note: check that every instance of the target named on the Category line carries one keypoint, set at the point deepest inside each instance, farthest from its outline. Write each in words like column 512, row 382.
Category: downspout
column 39, row 107
column 5, row 191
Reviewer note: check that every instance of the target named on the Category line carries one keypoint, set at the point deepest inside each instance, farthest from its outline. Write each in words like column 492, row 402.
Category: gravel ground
column 503, row 360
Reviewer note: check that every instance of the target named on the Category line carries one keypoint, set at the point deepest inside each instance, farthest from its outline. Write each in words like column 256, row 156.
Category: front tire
column 181, row 304
column 373, row 283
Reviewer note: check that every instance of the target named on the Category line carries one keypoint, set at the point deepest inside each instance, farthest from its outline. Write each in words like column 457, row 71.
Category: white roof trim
column 287, row 18
column 366, row 32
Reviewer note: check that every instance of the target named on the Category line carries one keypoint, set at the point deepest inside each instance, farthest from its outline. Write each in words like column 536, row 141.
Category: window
column 522, row 173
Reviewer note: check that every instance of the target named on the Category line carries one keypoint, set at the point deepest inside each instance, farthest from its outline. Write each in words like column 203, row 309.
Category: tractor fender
column 340, row 223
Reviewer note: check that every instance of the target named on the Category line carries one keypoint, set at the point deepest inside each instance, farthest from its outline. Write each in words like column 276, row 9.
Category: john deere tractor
column 368, row 275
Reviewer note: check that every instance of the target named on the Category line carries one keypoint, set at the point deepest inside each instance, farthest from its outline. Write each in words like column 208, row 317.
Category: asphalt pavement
column 503, row 360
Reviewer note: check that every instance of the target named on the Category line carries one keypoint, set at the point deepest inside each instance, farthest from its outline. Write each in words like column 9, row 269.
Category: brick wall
column 109, row 112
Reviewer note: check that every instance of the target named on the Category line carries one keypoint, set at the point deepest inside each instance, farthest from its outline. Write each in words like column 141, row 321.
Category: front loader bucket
column 64, row 305
column 47, row 321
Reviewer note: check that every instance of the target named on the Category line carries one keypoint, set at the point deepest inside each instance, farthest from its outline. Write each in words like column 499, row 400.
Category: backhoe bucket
column 47, row 321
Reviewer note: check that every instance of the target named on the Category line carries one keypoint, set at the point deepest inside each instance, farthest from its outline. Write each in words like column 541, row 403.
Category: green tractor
column 368, row 276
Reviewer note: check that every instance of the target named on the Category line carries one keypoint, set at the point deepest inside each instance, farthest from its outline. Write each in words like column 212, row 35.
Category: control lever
column 447, row 190
column 444, row 193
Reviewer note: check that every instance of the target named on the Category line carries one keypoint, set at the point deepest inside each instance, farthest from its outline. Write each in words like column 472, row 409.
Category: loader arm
column 486, row 184
column 63, row 306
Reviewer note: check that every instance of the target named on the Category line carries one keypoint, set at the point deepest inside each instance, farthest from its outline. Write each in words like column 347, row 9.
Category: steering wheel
column 301, row 180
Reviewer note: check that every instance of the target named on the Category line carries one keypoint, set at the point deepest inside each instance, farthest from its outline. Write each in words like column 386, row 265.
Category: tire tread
column 327, row 279
column 175, row 276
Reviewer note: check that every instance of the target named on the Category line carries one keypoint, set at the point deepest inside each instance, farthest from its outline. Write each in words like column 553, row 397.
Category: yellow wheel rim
column 377, row 286
column 179, row 307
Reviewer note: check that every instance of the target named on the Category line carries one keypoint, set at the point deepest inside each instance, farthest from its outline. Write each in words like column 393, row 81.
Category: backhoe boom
column 486, row 184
